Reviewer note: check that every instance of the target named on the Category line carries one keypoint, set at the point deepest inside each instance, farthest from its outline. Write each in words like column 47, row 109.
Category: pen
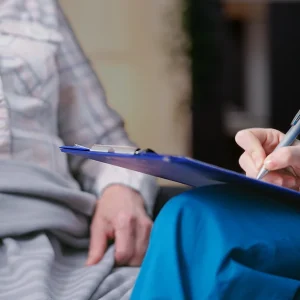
column 288, row 140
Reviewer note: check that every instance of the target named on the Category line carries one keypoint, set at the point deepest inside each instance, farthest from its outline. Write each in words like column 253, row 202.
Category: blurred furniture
column 216, row 83
column 205, row 28
column 284, row 24
column 252, row 18
column 244, row 72
column 270, row 66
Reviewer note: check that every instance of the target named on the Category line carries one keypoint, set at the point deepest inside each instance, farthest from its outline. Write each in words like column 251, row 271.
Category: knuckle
column 95, row 223
column 137, row 261
column 121, row 255
column 283, row 152
column 287, row 154
column 146, row 223
column 138, row 256
column 125, row 219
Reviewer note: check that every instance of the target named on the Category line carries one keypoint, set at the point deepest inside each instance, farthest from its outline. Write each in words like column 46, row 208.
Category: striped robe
column 50, row 96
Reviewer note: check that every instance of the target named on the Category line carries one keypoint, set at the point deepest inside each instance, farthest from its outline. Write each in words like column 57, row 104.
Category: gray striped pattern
column 44, row 222
column 50, row 96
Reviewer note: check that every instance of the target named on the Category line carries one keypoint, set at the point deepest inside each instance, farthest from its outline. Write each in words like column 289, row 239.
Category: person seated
column 228, row 241
column 71, row 228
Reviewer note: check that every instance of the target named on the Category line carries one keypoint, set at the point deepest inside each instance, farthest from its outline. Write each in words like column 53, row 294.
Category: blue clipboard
column 179, row 169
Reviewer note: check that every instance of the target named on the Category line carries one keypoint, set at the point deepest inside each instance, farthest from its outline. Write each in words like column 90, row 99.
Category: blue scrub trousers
column 223, row 242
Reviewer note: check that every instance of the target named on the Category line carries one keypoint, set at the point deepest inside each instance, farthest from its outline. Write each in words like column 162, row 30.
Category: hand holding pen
column 271, row 155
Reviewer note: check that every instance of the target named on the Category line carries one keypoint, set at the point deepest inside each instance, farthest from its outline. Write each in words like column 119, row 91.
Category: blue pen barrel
column 290, row 136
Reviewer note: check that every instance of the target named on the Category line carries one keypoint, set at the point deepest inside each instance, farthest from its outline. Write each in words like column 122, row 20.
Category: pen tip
column 262, row 173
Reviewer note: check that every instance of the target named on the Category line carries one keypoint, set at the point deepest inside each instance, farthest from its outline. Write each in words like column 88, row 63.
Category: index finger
column 124, row 238
column 252, row 140
column 98, row 242
column 260, row 140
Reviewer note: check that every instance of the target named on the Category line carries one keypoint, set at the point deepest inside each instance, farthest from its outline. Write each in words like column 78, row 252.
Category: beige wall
column 128, row 42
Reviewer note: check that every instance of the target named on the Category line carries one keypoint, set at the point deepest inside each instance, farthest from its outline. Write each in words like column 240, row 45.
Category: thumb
column 283, row 158
column 98, row 242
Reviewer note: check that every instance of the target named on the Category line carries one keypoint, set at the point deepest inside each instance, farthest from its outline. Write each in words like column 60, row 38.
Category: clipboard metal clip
column 120, row 149
column 142, row 151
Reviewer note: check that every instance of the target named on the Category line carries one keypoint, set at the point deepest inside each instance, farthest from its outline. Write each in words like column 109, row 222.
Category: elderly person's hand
column 284, row 163
column 120, row 216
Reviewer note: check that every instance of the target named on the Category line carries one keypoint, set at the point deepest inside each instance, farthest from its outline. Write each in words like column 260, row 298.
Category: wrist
column 122, row 193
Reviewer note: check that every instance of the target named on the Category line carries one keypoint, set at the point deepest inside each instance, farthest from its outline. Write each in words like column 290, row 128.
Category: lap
column 38, row 266
column 240, row 241
column 235, row 211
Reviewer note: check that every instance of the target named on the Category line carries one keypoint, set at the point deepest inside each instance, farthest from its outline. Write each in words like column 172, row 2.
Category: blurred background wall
column 132, row 45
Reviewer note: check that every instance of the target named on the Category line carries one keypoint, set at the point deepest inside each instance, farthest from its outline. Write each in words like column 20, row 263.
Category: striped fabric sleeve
column 85, row 118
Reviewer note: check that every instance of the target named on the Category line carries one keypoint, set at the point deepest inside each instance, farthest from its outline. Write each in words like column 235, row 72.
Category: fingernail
column 257, row 159
column 88, row 261
column 269, row 164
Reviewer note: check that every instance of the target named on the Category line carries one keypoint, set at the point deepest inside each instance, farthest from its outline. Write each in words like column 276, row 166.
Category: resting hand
column 120, row 215
column 284, row 162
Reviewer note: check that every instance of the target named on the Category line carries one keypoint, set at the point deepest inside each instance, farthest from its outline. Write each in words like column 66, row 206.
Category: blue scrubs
column 221, row 242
